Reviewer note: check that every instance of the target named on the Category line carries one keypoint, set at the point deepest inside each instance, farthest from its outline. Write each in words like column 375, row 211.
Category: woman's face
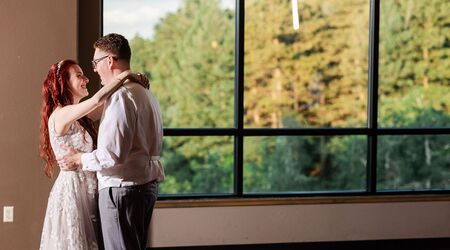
column 77, row 83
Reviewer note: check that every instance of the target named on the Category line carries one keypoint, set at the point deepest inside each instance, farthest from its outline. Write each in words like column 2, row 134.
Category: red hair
column 55, row 92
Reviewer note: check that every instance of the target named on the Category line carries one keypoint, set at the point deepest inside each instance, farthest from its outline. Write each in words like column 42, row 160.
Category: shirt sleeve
column 115, row 135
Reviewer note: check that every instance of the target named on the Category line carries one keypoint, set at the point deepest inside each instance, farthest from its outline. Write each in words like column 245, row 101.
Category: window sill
column 236, row 202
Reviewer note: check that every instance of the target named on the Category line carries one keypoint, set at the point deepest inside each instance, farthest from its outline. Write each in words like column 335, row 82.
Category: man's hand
column 71, row 160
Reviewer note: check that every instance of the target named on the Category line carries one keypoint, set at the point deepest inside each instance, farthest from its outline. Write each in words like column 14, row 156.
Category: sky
column 138, row 17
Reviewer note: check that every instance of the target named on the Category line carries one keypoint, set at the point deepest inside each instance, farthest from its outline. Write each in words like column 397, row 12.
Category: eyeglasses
column 95, row 61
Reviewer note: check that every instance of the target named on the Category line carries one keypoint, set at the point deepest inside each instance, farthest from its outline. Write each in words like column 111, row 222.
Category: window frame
column 372, row 131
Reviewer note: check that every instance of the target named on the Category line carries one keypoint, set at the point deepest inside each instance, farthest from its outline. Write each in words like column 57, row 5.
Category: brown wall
column 89, row 31
column 34, row 35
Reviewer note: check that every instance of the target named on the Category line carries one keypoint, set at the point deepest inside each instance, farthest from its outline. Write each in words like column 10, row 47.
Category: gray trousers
column 125, row 214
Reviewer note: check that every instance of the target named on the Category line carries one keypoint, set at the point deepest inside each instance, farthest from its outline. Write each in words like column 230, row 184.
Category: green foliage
column 317, row 75
column 417, row 108
column 191, row 63
column 198, row 165
column 419, row 161
column 285, row 165
column 305, row 164
column 414, row 162
column 414, row 46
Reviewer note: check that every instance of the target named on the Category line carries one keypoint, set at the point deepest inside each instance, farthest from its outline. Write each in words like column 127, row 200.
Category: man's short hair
column 115, row 44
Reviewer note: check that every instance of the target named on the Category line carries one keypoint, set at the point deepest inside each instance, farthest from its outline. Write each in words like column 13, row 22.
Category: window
column 264, row 98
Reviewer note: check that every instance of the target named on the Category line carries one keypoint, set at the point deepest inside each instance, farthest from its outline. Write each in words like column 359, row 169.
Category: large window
column 295, row 97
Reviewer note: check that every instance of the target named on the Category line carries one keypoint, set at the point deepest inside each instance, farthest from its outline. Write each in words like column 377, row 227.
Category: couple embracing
column 104, row 194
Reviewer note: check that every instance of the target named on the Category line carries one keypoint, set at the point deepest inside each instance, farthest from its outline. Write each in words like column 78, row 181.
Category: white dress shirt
column 129, row 140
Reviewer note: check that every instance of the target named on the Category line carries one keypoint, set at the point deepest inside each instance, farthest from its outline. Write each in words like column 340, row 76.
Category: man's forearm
column 96, row 160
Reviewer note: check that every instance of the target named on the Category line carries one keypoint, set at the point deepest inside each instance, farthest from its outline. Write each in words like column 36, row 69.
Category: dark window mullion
column 413, row 131
column 239, row 99
column 302, row 131
column 372, row 121
column 305, row 131
column 199, row 132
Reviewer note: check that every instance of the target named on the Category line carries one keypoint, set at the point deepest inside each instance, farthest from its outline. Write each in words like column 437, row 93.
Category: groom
column 127, row 157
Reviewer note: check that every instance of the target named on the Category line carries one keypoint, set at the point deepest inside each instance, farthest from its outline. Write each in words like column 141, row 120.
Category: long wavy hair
column 56, row 92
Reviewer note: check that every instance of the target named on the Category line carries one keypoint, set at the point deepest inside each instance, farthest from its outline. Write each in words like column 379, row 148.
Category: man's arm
column 71, row 160
column 114, row 140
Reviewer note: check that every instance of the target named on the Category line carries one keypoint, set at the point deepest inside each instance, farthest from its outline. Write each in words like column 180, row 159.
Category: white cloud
column 133, row 17
column 228, row 4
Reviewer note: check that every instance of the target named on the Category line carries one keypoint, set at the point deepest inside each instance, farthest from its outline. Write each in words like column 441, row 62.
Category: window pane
column 186, row 48
column 313, row 76
column 414, row 64
column 304, row 164
column 413, row 162
column 198, row 165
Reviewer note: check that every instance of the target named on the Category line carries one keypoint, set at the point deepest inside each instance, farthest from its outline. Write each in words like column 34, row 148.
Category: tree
column 318, row 74
column 414, row 53
column 190, row 62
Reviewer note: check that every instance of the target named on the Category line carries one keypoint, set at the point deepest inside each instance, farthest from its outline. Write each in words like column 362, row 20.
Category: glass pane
column 304, row 164
column 414, row 75
column 313, row 76
column 198, row 165
column 420, row 162
column 186, row 48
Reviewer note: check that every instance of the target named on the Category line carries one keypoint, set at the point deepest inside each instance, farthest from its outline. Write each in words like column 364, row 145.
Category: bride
column 71, row 220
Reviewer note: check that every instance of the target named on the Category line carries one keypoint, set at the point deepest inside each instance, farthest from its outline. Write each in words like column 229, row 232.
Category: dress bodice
column 76, row 137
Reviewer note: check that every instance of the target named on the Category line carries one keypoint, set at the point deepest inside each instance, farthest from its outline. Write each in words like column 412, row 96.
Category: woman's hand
column 139, row 78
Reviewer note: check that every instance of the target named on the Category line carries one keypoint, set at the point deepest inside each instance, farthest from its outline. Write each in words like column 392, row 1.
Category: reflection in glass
column 315, row 76
column 186, row 48
column 413, row 162
column 198, row 165
column 304, row 163
column 414, row 64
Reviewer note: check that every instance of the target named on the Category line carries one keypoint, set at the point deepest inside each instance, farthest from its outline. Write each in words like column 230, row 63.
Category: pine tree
column 414, row 55
column 191, row 64
column 318, row 74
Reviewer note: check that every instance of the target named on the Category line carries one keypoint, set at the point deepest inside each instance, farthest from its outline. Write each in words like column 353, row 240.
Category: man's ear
column 111, row 62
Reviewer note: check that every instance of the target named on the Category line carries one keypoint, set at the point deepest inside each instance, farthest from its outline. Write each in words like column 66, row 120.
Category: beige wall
column 34, row 35
column 45, row 32
column 299, row 223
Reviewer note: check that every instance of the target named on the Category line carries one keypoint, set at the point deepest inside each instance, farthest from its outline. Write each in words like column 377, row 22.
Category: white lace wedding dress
column 71, row 220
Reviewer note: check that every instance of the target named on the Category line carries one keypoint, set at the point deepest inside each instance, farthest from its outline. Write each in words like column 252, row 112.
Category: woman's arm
column 96, row 114
column 66, row 115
